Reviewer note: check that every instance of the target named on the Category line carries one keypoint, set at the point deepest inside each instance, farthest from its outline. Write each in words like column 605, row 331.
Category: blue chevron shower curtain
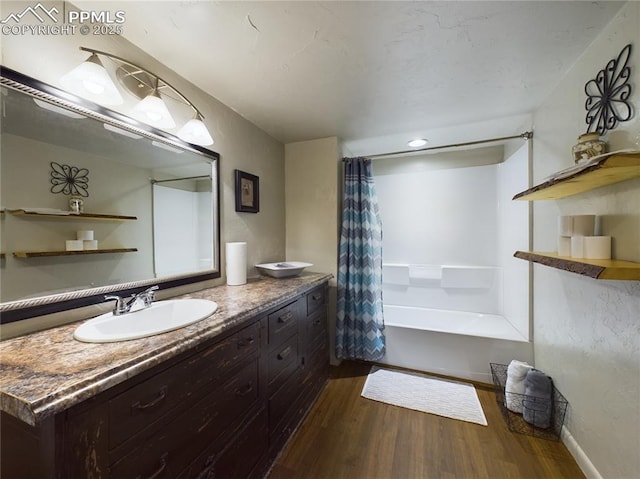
column 359, row 322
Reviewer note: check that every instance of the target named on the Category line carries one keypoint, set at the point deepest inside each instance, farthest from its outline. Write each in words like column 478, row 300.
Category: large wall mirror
column 149, row 200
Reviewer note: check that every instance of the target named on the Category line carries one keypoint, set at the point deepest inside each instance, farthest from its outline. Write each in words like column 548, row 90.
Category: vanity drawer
column 317, row 331
column 167, row 453
column 281, row 362
column 316, row 299
column 143, row 404
column 282, row 323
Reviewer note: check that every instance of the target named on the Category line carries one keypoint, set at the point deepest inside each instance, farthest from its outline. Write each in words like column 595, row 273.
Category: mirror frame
column 38, row 306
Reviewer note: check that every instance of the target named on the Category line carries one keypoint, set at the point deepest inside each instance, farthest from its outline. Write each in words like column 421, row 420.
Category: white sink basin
column 161, row 317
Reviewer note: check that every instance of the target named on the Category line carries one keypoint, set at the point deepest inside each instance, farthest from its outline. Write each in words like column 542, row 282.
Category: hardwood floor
column 347, row 436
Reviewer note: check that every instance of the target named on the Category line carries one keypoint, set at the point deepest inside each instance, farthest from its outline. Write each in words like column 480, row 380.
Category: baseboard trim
column 579, row 455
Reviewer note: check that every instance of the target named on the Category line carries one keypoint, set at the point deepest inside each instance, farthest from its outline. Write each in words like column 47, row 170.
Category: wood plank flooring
column 346, row 436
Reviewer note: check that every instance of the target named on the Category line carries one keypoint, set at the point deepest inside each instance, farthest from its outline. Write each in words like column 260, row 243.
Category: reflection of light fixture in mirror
column 57, row 109
column 90, row 80
column 149, row 87
column 417, row 143
column 194, row 131
column 120, row 131
column 166, row 147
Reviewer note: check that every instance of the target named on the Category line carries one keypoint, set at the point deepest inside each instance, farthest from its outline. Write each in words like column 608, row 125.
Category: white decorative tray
column 283, row 269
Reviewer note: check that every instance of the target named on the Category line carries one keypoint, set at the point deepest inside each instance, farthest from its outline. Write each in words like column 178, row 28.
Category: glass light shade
column 194, row 131
column 90, row 80
column 153, row 111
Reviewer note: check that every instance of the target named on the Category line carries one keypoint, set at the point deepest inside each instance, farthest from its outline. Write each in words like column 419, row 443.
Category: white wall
column 311, row 179
column 587, row 332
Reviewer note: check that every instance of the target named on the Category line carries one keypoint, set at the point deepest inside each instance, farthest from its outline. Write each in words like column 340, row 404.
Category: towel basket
column 515, row 421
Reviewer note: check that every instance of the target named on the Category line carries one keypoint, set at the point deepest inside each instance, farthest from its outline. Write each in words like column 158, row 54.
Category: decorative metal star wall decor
column 69, row 180
column 608, row 94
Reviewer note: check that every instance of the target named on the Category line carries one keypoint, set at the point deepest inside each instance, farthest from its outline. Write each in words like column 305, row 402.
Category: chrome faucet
column 139, row 301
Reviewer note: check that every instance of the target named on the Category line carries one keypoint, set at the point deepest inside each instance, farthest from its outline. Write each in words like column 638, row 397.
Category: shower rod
column 527, row 135
column 180, row 179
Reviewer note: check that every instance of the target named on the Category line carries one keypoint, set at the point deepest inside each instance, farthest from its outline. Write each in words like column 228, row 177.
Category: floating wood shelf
column 612, row 169
column 40, row 254
column 593, row 268
column 2, row 256
column 81, row 216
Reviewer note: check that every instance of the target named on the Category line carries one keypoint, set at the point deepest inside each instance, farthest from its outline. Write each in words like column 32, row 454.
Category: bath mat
column 424, row 393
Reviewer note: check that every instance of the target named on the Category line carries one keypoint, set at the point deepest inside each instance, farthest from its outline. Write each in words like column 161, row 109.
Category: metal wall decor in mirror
column 148, row 189
column 608, row 95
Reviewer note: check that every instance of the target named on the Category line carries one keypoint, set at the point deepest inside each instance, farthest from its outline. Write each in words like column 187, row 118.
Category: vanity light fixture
column 195, row 132
column 90, row 80
column 143, row 84
column 417, row 143
column 153, row 111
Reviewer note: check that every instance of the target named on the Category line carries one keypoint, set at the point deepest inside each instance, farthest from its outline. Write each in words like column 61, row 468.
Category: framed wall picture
column 247, row 192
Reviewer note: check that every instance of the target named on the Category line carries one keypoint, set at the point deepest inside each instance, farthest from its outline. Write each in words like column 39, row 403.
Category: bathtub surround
column 182, row 233
column 449, row 277
column 360, row 321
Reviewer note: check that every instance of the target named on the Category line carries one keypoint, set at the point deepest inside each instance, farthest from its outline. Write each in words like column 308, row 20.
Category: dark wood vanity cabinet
column 223, row 410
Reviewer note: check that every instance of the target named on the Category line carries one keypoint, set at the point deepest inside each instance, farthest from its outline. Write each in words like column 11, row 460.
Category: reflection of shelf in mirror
column 593, row 268
column 40, row 254
column 81, row 216
column 2, row 256
column 606, row 171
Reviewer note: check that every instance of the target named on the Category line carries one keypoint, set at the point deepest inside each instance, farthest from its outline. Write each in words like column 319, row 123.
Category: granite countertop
column 47, row 372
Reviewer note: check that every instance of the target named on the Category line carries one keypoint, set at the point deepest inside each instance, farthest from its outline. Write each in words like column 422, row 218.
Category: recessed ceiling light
column 417, row 143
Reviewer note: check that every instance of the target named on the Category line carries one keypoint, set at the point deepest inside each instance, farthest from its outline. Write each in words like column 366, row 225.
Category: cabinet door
column 239, row 459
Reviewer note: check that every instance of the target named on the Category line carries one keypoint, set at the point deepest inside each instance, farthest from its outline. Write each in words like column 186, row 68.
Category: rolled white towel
column 514, row 387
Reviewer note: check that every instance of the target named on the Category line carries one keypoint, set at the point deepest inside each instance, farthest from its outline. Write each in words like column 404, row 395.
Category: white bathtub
column 453, row 343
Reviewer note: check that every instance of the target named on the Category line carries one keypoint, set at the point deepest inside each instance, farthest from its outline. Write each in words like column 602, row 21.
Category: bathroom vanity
column 218, row 398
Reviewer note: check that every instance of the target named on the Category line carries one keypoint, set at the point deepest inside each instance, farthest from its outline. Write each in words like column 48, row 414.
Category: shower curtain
column 359, row 322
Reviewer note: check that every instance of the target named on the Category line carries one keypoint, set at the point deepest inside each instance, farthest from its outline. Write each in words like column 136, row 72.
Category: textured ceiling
column 373, row 73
